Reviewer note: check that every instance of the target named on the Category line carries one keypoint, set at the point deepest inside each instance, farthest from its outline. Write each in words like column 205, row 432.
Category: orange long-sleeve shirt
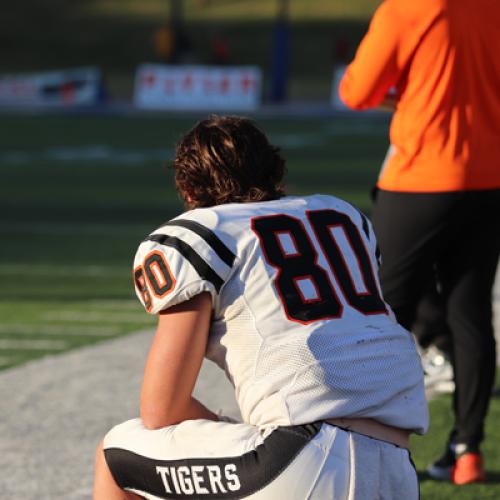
column 443, row 57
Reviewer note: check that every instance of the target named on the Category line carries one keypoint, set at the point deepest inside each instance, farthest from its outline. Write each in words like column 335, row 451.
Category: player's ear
column 189, row 201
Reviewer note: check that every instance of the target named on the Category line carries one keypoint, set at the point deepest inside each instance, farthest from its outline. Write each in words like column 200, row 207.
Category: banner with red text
column 61, row 88
column 217, row 88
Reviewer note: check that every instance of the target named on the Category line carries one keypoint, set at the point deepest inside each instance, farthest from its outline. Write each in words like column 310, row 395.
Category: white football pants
column 217, row 460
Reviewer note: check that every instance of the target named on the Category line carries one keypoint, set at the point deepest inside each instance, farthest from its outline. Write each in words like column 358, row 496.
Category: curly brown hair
column 227, row 159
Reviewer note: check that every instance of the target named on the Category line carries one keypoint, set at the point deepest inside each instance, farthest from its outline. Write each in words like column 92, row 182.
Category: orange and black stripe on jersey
column 204, row 270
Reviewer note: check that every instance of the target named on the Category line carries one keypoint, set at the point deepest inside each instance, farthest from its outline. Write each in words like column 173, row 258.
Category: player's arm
column 173, row 364
column 377, row 64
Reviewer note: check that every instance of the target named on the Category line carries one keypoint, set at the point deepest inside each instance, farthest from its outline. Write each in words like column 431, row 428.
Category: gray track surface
column 55, row 410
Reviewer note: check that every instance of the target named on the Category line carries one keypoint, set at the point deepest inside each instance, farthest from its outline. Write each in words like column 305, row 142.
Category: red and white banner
column 217, row 88
column 335, row 101
column 72, row 87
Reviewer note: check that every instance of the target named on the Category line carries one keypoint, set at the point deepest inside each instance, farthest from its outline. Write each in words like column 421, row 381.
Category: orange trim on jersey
column 140, row 285
column 169, row 280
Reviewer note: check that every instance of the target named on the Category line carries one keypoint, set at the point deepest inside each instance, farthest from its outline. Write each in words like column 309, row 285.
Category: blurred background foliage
column 117, row 35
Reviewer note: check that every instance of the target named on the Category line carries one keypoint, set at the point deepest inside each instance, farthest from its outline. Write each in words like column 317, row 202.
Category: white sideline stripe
column 356, row 127
column 103, row 317
column 297, row 141
column 89, row 153
column 48, row 270
column 99, row 331
column 105, row 303
column 62, row 228
column 33, row 344
column 103, row 153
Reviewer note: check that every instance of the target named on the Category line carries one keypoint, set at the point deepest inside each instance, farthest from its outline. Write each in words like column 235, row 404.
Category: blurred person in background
column 164, row 42
column 438, row 198
column 431, row 330
column 220, row 50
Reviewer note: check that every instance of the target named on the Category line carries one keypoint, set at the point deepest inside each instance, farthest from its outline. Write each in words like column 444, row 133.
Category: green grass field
column 77, row 195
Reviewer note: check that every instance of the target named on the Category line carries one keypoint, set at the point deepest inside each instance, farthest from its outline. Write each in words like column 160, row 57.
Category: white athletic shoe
column 438, row 372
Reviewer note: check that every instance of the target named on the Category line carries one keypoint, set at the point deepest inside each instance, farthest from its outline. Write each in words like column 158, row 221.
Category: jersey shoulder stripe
column 364, row 219
column 210, row 237
column 365, row 224
column 369, row 232
column 202, row 268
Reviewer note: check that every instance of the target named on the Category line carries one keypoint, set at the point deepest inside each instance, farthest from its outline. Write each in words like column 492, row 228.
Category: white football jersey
column 299, row 323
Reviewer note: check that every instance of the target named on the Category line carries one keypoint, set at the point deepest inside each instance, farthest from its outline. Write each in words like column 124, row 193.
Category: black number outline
column 157, row 258
column 368, row 302
column 327, row 305
column 140, row 284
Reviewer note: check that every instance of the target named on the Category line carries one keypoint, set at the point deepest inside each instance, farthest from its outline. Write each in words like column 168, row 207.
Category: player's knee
column 99, row 454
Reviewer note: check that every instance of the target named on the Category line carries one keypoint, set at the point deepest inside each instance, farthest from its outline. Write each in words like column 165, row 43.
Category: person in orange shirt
column 439, row 191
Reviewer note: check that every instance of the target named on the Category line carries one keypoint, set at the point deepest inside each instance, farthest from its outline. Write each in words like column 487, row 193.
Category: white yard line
column 90, row 153
column 60, row 270
column 34, row 344
column 105, row 154
column 51, row 329
column 104, row 305
column 101, row 317
column 113, row 304
column 61, row 228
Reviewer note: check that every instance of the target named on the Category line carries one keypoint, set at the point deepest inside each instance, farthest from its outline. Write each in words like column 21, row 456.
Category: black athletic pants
column 459, row 234
column 430, row 326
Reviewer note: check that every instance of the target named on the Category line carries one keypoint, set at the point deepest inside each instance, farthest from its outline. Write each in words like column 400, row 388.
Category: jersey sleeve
column 178, row 261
